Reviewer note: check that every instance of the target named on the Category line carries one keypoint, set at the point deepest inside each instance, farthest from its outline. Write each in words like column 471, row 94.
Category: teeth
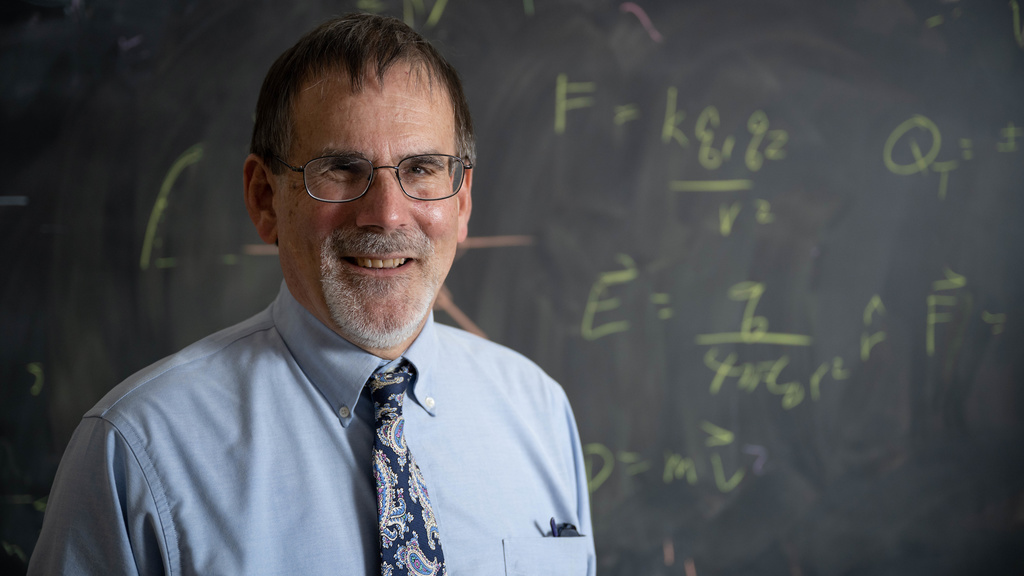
column 375, row 263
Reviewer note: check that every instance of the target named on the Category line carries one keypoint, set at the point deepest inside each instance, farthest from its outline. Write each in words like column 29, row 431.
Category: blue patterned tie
column 410, row 543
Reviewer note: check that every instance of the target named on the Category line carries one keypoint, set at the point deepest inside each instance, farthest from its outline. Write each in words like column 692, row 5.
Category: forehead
column 406, row 104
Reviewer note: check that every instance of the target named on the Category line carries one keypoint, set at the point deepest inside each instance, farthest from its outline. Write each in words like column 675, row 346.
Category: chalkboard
column 772, row 249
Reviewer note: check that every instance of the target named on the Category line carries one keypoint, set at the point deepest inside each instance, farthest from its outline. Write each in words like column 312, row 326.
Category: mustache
column 414, row 243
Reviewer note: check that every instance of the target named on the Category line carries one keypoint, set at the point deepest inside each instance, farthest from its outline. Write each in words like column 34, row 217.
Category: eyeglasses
column 346, row 178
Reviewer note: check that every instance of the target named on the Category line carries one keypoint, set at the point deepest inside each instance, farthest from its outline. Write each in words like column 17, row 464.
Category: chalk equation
column 904, row 155
column 764, row 143
column 949, row 308
column 602, row 462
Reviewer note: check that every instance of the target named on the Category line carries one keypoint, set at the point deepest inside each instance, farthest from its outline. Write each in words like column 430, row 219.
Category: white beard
column 371, row 313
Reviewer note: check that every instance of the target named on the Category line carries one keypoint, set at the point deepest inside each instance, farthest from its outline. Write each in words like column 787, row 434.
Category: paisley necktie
column 410, row 543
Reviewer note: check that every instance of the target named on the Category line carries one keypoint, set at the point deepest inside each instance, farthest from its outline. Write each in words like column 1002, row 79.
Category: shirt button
column 429, row 403
column 344, row 412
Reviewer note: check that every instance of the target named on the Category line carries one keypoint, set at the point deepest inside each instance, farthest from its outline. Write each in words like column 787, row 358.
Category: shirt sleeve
column 101, row 515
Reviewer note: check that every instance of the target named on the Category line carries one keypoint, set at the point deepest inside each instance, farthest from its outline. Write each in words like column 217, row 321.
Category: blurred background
column 772, row 249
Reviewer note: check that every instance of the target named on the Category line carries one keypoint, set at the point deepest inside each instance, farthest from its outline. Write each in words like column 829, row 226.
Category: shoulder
column 209, row 359
column 489, row 365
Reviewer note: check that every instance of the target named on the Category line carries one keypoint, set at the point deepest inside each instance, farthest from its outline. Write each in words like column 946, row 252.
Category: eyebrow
column 328, row 151
column 339, row 152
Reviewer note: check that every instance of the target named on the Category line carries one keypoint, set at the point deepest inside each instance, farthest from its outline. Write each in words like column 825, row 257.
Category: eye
column 341, row 168
column 423, row 166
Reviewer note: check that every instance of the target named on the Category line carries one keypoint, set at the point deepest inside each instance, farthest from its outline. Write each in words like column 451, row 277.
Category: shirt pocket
column 545, row 556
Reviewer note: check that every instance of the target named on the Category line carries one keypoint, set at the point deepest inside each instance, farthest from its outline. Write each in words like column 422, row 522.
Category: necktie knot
column 387, row 388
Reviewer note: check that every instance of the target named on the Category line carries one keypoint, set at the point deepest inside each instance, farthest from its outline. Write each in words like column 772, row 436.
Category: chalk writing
column 601, row 462
column 410, row 8
column 998, row 321
column 626, row 113
column 757, row 125
column 749, row 376
column 635, row 464
column 662, row 299
column 727, row 214
column 764, row 212
column 725, row 484
column 597, row 302
column 563, row 103
column 36, row 370
column 710, row 185
column 188, row 157
column 869, row 341
column 38, row 504
column 729, row 211
column 14, row 550
column 374, row 6
column 634, row 461
column 708, row 156
column 673, row 117
column 835, row 369
column 717, row 436
column 966, row 150
column 937, row 302
column 678, row 467
column 712, row 158
column 921, row 161
column 595, row 480
column 896, row 159
column 753, row 328
column 1011, row 133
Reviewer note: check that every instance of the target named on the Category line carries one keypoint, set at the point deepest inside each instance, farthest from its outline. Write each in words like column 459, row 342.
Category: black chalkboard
column 772, row 249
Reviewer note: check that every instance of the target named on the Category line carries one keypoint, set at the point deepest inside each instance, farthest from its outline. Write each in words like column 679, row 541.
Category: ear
column 465, row 198
column 258, row 182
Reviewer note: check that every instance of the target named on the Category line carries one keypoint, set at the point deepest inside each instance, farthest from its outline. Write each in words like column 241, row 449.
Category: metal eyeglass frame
column 373, row 171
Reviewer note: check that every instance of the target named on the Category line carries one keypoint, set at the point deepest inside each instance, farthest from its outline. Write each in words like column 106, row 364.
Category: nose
column 384, row 207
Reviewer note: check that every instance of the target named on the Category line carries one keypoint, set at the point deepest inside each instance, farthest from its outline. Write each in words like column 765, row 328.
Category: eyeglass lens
column 426, row 177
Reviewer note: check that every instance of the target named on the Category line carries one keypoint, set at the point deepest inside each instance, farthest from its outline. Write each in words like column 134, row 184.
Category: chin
column 373, row 314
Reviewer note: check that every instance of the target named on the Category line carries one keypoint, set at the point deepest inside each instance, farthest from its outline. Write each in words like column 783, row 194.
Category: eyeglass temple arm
column 287, row 165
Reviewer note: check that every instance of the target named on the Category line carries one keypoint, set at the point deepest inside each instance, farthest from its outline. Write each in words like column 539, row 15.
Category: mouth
column 378, row 263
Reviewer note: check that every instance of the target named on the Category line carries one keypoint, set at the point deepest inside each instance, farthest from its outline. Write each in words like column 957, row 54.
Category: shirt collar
column 340, row 369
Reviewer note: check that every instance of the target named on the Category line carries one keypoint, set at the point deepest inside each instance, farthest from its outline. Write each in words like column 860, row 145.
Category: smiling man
column 340, row 431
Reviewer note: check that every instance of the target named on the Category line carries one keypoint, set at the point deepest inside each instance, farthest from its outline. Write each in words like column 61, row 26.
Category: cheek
column 441, row 225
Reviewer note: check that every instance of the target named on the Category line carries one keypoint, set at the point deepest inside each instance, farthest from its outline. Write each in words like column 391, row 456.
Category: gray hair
column 356, row 45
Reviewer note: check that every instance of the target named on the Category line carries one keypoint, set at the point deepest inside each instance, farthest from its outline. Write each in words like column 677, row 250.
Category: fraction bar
column 710, row 185
column 13, row 200
column 754, row 338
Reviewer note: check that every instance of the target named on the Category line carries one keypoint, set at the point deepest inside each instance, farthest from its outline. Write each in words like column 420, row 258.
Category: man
column 341, row 431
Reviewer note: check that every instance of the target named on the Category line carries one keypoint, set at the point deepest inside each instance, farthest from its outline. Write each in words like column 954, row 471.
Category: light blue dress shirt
column 249, row 453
